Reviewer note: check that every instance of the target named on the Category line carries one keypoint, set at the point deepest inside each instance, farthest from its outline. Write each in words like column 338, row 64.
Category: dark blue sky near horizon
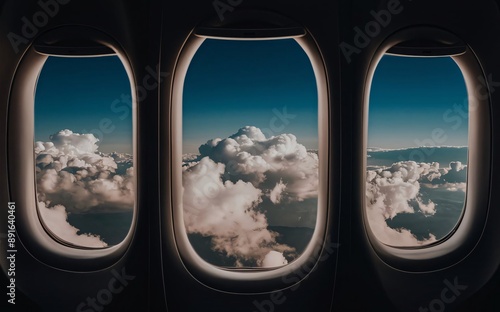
column 231, row 84
column 410, row 97
column 77, row 94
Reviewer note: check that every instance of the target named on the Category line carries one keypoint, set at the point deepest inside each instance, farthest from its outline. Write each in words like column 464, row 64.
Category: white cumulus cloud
column 277, row 192
column 227, row 212
column 72, row 176
column 236, row 181
column 396, row 189
column 71, row 172
column 265, row 162
column 273, row 259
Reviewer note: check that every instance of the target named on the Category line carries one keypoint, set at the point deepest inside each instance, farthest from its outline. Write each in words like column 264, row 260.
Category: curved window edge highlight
column 194, row 263
column 468, row 230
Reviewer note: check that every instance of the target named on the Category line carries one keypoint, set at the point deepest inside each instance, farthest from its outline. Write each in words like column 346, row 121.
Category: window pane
column 250, row 152
column 83, row 149
column 417, row 155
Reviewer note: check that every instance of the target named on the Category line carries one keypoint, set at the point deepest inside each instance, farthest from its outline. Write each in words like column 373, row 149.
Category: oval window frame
column 33, row 234
column 468, row 230
column 255, row 280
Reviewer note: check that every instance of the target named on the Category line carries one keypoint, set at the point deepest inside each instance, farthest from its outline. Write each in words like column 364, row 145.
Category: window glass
column 417, row 150
column 83, row 150
column 250, row 152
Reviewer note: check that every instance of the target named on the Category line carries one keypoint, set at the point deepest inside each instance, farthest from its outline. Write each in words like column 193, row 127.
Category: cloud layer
column 395, row 190
column 55, row 219
column 74, row 177
column 267, row 162
column 424, row 154
column 230, row 187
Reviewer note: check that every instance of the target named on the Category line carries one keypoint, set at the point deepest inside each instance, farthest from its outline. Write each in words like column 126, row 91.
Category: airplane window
column 417, row 150
column 250, row 152
column 83, row 150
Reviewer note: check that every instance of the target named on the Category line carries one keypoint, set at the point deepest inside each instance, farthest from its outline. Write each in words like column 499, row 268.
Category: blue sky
column 410, row 97
column 77, row 94
column 232, row 84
